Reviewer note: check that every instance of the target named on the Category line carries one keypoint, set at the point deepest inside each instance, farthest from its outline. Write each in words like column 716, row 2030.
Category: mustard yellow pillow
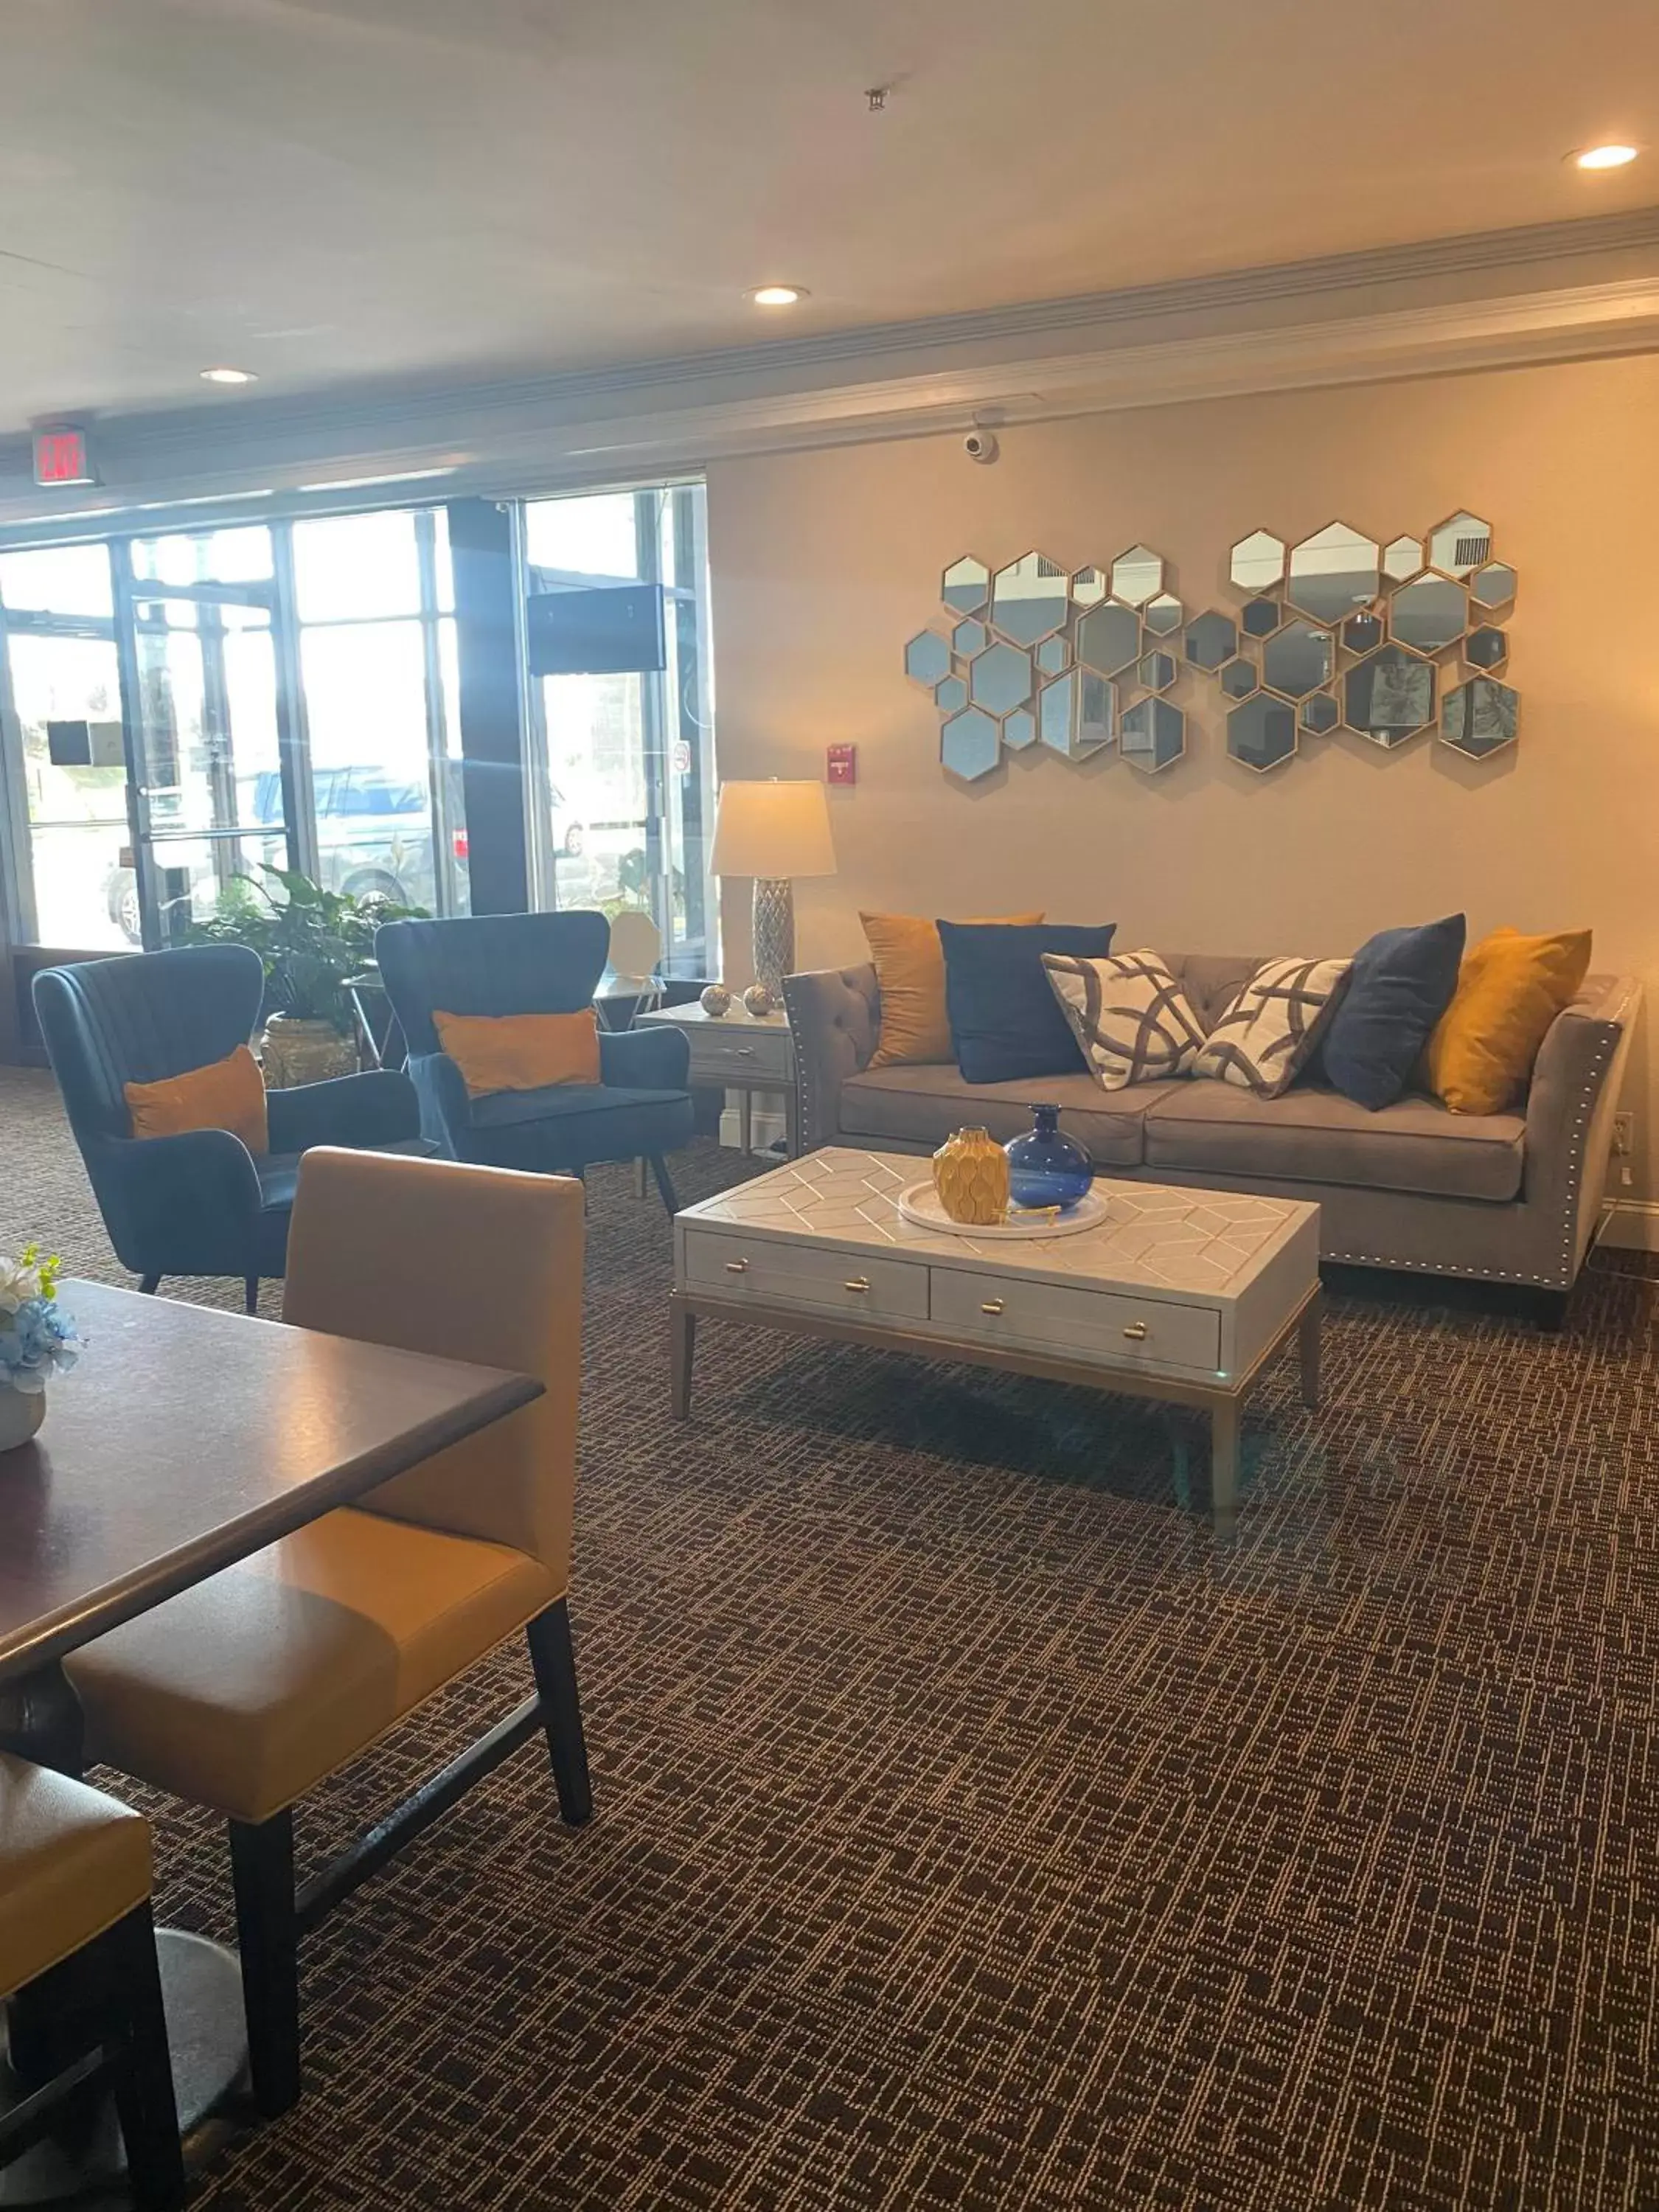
column 228, row 1094
column 520, row 1052
column 910, row 972
column 1510, row 989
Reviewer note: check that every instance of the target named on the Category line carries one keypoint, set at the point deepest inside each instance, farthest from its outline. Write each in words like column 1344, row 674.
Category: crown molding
column 1548, row 293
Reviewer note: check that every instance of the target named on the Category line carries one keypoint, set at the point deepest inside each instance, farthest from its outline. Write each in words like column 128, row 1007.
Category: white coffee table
column 1181, row 1295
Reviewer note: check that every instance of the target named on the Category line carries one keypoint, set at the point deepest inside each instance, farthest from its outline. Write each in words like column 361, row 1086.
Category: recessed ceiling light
column 777, row 295
column 1603, row 157
column 228, row 376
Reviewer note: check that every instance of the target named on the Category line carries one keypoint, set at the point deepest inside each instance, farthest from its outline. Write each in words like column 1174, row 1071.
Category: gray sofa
column 1504, row 1198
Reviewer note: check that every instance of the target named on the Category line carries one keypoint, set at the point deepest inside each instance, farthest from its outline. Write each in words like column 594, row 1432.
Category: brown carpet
column 970, row 1833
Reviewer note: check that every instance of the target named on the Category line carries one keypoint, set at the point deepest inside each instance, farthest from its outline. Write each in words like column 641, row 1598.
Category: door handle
column 1135, row 1331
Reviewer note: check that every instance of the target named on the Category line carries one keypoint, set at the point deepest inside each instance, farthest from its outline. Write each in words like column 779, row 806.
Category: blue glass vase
column 1045, row 1168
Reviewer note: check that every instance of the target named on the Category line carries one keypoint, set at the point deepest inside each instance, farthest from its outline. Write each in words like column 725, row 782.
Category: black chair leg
column 143, row 2080
column 250, row 1294
column 149, row 1285
column 268, row 1937
column 665, row 1183
column 553, row 1660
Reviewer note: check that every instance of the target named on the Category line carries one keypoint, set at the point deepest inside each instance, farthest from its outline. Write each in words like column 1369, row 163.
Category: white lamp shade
column 772, row 829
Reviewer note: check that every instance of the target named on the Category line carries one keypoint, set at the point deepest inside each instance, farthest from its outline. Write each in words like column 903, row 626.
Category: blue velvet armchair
column 532, row 963
column 200, row 1204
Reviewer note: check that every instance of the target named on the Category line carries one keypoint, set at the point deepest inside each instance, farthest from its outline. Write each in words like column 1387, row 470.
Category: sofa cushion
column 1268, row 1036
column 1317, row 1136
column 923, row 1105
column 1401, row 983
column 1130, row 1017
column 1004, row 1023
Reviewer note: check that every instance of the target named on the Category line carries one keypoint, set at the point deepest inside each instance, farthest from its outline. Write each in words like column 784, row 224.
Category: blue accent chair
column 532, row 963
column 200, row 1204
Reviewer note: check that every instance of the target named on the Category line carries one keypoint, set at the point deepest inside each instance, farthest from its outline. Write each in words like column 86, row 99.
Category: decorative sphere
column 716, row 1000
column 758, row 1000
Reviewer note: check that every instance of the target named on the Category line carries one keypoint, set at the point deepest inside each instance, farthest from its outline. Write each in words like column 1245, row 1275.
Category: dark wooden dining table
column 184, row 1440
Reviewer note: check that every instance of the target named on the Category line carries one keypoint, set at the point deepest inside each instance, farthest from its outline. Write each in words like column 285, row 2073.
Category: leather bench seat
column 72, row 1863
column 905, row 1104
column 1318, row 1136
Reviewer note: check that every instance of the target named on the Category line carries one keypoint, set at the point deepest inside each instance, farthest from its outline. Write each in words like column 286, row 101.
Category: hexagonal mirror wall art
column 1363, row 633
column 1108, row 638
column 1261, row 618
column 1031, row 598
column 1261, row 733
column 1429, row 614
column 1054, row 654
column 1300, row 659
column 1137, row 575
column 1257, row 563
column 1152, row 735
column 1239, row 679
column 1336, row 571
column 1403, row 558
column 1163, row 615
column 968, row 638
column 1000, row 678
column 1156, row 671
column 1319, row 716
column 1389, row 697
column 1479, row 717
column 965, row 587
column 927, row 658
column 1211, row 639
column 1494, row 585
column 1089, row 587
column 1485, row 648
column 969, row 745
column 1460, row 544
column 950, row 695
column 1019, row 729
column 1076, row 713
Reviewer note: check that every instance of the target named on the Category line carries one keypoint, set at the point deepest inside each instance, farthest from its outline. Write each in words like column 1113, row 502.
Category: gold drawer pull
column 1135, row 1331
column 858, row 1282
column 737, row 1266
column 745, row 1052
column 992, row 1305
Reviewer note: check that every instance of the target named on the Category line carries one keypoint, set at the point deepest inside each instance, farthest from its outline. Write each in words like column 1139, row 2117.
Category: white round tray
column 920, row 1204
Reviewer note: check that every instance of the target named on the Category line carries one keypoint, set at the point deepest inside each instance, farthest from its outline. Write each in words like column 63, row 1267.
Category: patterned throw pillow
column 1267, row 1034
column 1129, row 1015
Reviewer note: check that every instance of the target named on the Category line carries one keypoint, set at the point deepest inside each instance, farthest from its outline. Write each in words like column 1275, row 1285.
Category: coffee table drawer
column 1107, row 1326
column 796, row 1274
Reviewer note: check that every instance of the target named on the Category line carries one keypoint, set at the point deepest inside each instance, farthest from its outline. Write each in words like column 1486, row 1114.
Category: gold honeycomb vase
column 970, row 1174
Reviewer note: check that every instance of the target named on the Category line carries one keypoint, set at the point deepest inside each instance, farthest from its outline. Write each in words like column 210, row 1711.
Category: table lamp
column 774, row 832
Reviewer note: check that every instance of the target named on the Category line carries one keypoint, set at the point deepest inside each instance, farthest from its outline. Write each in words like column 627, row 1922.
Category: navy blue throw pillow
column 1400, row 983
column 1005, row 1022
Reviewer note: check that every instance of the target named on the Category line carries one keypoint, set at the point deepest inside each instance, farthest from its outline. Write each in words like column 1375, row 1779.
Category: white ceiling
column 339, row 194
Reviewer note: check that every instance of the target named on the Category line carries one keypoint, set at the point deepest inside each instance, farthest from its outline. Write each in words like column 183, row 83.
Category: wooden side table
column 738, row 1052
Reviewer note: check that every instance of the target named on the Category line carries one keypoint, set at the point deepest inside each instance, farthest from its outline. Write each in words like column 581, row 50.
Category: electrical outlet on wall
column 1624, row 1141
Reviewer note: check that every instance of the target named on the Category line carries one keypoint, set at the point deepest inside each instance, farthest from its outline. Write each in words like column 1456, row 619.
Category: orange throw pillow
column 1510, row 989
column 910, row 973
column 229, row 1094
column 520, row 1052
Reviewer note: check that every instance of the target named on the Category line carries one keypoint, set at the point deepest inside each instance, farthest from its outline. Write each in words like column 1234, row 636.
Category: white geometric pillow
column 1267, row 1034
column 1129, row 1014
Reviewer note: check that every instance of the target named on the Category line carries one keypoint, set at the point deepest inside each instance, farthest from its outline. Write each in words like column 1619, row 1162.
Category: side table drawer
column 736, row 1266
column 1117, row 1330
column 728, row 1055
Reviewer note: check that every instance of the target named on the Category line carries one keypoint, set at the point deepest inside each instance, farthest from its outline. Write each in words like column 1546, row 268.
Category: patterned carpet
column 971, row 1834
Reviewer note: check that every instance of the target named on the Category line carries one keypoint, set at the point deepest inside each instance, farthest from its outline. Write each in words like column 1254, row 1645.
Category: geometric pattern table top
column 1188, row 1245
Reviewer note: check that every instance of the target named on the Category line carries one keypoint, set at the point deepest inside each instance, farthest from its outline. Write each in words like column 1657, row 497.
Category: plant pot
column 293, row 1050
column 22, row 1412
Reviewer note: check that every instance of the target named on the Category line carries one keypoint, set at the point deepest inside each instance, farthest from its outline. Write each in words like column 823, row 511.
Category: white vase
column 22, row 1412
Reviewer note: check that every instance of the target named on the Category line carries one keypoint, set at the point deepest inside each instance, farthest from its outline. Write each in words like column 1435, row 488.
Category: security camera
column 980, row 446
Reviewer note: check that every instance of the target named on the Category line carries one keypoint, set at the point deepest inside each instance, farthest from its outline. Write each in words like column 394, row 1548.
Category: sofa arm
column 178, row 1206
column 657, row 1058
column 1576, row 1085
column 835, row 1019
column 380, row 1108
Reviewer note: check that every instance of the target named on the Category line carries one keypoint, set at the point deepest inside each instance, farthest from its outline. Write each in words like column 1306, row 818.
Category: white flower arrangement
column 37, row 1337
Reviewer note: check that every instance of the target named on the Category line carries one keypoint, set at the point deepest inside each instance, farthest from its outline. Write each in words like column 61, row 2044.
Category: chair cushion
column 278, row 1171
column 244, row 1693
column 1317, row 1136
column 521, row 1052
column 923, row 1105
column 227, row 1094
column 909, row 964
column 1510, row 990
column 1004, row 1023
column 72, row 1863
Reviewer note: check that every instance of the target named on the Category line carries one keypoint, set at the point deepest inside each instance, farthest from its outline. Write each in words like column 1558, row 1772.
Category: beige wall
column 824, row 563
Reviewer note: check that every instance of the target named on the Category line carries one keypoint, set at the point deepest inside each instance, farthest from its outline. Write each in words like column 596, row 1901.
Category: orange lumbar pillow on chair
column 227, row 1094
column 520, row 1052
column 1510, row 989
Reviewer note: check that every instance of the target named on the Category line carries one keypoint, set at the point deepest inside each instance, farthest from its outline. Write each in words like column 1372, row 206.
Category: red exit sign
column 61, row 456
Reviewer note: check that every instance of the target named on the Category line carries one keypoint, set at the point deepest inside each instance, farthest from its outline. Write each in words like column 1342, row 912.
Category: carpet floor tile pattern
column 971, row 1833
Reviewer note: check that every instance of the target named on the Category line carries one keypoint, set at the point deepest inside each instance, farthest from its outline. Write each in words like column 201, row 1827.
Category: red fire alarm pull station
column 61, row 456
column 843, row 764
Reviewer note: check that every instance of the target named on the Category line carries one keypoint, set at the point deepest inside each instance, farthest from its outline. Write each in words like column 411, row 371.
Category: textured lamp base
column 774, row 932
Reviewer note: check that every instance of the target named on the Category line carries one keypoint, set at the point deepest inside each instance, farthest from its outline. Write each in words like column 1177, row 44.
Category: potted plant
column 312, row 943
column 37, row 1340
